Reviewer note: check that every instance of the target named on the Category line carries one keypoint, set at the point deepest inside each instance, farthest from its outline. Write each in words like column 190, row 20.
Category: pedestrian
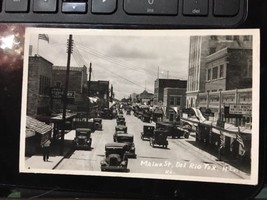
column 46, row 149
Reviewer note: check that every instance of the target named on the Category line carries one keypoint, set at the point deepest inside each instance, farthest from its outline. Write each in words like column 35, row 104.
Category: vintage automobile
column 121, row 121
column 147, row 132
column 146, row 117
column 107, row 114
column 115, row 157
column 119, row 129
column 97, row 124
column 129, row 140
column 159, row 138
column 172, row 129
column 128, row 111
column 82, row 139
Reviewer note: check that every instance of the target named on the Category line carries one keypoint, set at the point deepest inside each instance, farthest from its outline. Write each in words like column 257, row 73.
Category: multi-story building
column 200, row 48
column 228, row 69
column 173, row 102
column 100, row 89
column 160, row 84
column 39, row 83
column 145, row 97
column 77, row 78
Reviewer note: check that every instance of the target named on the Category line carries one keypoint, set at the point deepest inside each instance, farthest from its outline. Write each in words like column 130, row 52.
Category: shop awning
column 37, row 126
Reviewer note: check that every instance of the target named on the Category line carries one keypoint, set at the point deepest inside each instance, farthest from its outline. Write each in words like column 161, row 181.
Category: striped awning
column 37, row 126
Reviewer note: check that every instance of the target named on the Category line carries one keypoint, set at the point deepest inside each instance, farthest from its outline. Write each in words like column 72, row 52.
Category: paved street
column 180, row 158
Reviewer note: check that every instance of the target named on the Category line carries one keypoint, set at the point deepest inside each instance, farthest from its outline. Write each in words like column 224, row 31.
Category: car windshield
column 110, row 151
column 83, row 134
column 124, row 139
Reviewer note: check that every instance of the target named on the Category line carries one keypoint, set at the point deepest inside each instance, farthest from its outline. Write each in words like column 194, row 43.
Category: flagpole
column 37, row 46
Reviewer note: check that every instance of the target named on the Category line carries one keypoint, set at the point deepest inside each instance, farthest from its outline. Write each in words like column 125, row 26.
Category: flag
column 239, row 139
column 222, row 140
column 43, row 37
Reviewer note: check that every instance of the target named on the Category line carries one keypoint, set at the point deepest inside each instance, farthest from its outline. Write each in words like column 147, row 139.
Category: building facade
column 225, row 64
column 39, row 83
column 160, row 84
column 174, row 100
column 100, row 89
column 201, row 47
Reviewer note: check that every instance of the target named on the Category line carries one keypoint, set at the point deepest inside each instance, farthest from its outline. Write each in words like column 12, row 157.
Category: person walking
column 46, row 149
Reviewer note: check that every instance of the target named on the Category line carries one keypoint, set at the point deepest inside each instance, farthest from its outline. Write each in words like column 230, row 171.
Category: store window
column 215, row 73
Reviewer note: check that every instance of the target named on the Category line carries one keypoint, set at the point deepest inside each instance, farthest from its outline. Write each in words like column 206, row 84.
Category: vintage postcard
column 160, row 104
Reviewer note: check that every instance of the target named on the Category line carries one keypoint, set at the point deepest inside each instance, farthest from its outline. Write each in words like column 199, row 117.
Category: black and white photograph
column 157, row 104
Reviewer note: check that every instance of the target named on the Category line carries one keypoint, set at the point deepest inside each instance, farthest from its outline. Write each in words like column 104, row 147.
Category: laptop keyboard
column 212, row 13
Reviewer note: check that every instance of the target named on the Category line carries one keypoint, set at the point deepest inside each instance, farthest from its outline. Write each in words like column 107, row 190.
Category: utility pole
column 88, row 93
column 65, row 99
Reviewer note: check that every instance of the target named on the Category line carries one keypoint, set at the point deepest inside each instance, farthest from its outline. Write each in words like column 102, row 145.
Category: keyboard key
column 17, row 6
column 151, row 7
column 195, row 7
column 74, row 7
column 45, row 6
column 226, row 7
column 104, row 6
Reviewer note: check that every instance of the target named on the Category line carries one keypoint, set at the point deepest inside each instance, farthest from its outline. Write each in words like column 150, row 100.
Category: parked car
column 172, row 129
column 115, row 157
column 147, row 132
column 129, row 140
column 119, row 129
column 97, row 124
column 159, row 138
column 82, row 139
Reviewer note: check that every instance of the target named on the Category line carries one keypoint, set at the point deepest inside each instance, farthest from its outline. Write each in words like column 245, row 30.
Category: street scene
column 136, row 105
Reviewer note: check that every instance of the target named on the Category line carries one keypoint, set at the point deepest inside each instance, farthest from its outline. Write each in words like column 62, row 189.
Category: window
column 236, row 37
column 208, row 74
column 213, row 37
column 44, row 85
column 228, row 37
column 246, row 37
column 215, row 73
column 58, row 84
column 175, row 100
column 221, row 71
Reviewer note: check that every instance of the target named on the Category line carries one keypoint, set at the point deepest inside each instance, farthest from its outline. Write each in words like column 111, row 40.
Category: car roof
column 124, row 135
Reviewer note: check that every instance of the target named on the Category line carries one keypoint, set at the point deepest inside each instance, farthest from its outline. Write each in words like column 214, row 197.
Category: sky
column 131, row 62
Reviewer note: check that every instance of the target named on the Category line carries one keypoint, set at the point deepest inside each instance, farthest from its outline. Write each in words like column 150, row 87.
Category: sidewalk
column 36, row 161
column 234, row 165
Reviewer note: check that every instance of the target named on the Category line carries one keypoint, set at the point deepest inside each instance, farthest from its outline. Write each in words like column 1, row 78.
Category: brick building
column 100, row 89
column 173, row 101
column 160, row 84
column 228, row 69
column 200, row 48
column 77, row 84
column 39, row 83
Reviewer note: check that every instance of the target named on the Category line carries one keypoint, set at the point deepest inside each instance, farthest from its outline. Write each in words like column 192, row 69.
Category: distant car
column 119, row 129
column 82, row 138
column 159, row 138
column 147, row 132
column 97, row 124
column 115, row 157
column 146, row 117
column 128, row 112
column 129, row 140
